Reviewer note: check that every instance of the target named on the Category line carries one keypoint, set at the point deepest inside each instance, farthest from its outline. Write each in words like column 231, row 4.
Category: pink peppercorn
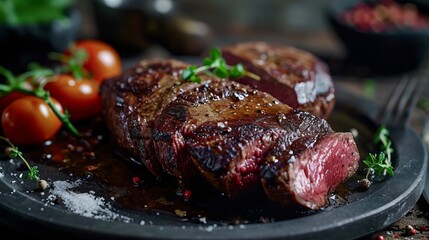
column 136, row 180
column 187, row 195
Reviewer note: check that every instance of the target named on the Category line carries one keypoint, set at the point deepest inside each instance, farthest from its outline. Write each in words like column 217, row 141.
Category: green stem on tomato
column 17, row 84
column 42, row 94
column 74, row 62
column 8, row 75
column 36, row 73
column 5, row 89
column 63, row 117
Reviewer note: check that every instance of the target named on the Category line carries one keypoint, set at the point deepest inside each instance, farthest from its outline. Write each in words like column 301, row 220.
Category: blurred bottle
column 132, row 26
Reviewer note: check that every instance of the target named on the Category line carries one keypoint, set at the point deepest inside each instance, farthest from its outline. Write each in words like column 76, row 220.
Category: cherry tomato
column 30, row 120
column 79, row 97
column 103, row 60
column 8, row 99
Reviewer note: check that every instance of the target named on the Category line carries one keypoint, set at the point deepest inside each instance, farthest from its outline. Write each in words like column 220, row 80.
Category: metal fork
column 401, row 102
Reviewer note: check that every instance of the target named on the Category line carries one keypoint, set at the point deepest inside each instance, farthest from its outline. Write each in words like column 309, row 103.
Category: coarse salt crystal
column 85, row 204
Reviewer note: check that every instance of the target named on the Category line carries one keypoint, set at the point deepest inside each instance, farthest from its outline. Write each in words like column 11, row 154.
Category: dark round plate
column 387, row 200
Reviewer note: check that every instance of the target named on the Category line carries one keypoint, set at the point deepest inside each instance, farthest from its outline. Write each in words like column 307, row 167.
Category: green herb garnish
column 19, row 12
column 215, row 64
column 13, row 152
column 381, row 163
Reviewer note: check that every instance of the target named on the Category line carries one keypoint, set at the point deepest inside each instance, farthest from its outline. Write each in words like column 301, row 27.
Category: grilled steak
column 132, row 102
column 293, row 76
column 309, row 168
column 236, row 138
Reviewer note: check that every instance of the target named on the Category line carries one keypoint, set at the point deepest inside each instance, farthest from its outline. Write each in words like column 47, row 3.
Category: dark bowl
column 22, row 44
column 393, row 51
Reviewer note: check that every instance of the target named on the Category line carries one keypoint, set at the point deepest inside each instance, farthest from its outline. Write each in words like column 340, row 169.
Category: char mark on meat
column 218, row 102
column 133, row 100
column 235, row 138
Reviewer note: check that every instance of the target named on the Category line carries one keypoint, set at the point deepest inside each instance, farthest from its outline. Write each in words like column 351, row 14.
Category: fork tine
column 401, row 101
column 386, row 111
column 407, row 104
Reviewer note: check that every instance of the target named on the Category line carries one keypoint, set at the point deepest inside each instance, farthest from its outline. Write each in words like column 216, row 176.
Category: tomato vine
column 17, row 84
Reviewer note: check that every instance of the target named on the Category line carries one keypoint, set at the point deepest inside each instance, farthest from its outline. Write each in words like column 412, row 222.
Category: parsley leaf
column 215, row 64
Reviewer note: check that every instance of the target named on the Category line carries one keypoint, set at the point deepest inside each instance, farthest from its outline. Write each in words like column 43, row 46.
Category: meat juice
column 131, row 187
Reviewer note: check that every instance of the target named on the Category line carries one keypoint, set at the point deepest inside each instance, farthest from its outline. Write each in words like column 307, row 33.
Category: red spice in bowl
column 384, row 16
column 385, row 36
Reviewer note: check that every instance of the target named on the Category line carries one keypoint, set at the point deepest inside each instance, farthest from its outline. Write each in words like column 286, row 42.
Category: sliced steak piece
column 218, row 102
column 230, row 154
column 295, row 77
column 133, row 100
column 222, row 132
column 309, row 169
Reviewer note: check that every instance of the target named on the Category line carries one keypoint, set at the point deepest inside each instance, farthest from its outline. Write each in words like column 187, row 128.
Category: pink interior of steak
column 284, row 93
column 244, row 173
column 295, row 77
column 320, row 169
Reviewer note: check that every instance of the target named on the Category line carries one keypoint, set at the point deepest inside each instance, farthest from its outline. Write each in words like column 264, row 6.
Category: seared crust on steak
column 224, row 133
column 295, row 77
column 210, row 111
column 134, row 99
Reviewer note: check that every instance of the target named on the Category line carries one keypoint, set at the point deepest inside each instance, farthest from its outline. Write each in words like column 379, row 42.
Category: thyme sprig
column 13, row 152
column 381, row 163
column 19, row 84
column 215, row 64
